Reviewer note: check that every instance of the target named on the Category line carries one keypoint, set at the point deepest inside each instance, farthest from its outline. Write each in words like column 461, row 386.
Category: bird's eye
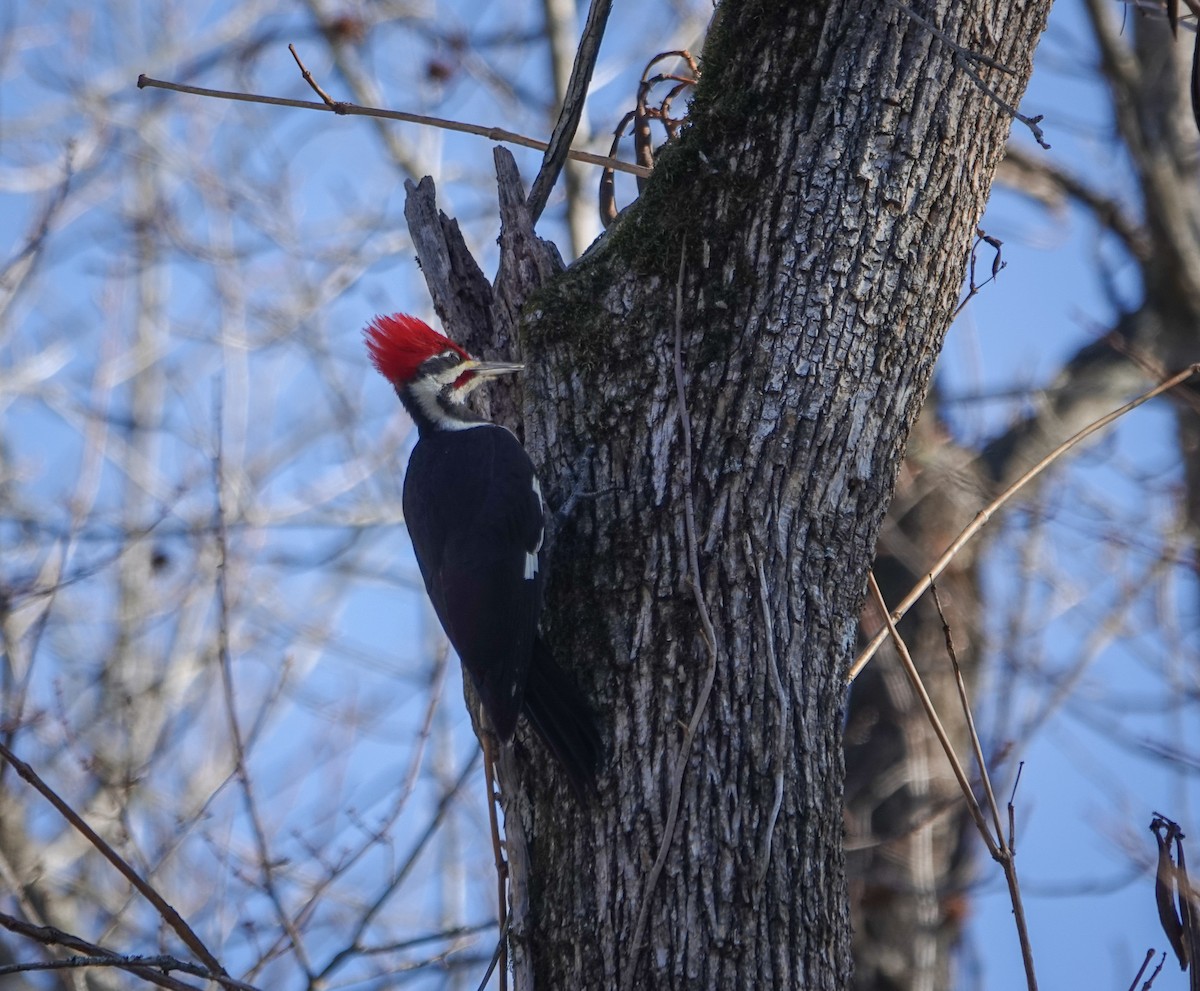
column 454, row 356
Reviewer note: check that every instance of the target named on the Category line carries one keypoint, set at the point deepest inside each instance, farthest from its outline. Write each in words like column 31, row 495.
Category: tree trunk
column 820, row 205
column 908, row 832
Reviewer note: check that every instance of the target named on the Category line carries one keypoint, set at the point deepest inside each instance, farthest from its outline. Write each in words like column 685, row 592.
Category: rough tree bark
column 819, row 207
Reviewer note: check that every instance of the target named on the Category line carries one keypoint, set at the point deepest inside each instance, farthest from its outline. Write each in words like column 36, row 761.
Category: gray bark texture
column 820, row 206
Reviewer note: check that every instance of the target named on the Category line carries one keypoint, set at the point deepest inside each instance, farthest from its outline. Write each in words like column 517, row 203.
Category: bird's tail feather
column 562, row 719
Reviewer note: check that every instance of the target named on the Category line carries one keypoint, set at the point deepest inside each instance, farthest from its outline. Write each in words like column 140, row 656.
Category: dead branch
column 354, row 110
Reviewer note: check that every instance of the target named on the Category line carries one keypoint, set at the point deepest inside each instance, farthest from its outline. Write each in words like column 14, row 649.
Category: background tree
column 911, row 874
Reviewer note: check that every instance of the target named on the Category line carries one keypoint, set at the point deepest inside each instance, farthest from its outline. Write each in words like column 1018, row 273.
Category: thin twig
column 945, row 39
column 999, row 850
column 914, row 677
column 710, row 640
column 1023, row 928
column 497, row 955
column 1012, row 815
column 963, row 57
column 1142, row 969
column 146, row 967
column 1030, row 122
column 328, row 100
column 137, row 965
column 984, row 515
column 970, row 717
column 354, row 110
column 446, row 935
column 486, row 740
column 517, row 853
column 1007, row 855
column 998, row 266
column 1157, row 970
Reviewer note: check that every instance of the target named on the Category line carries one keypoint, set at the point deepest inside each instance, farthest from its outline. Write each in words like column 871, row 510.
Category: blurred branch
column 265, row 861
column 154, row 969
column 1092, row 382
column 169, row 915
column 17, row 269
column 985, row 514
column 353, row 945
column 1047, row 182
column 1148, row 106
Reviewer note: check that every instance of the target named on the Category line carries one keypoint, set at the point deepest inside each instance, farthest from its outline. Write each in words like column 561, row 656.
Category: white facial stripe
column 459, row 393
column 531, row 563
column 428, row 393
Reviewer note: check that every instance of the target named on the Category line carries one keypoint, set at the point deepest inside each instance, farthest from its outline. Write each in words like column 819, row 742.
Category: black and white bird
column 474, row 510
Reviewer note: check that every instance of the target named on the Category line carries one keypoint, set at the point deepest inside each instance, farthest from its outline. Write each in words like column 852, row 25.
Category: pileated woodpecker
column 475, row 513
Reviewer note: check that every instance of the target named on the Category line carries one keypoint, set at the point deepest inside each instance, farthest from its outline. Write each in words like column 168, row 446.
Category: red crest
column 399, row 344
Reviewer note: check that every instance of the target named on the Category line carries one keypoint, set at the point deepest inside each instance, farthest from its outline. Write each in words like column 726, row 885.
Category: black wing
column 476, row 519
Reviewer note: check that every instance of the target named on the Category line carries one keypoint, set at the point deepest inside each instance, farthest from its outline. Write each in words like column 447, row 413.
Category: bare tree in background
column 909, row 839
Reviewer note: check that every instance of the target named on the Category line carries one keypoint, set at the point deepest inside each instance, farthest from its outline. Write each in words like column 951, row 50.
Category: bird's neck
column 433, row 408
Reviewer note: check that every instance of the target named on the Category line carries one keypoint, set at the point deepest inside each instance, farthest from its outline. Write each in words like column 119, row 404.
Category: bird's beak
column 490, row 369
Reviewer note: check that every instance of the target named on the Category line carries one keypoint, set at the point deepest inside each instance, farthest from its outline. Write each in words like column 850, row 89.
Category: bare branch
column 354, row 110
column 328, row 100
column 918, row 684
column 50, row 936
column 997, row 846
column 572, row 107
